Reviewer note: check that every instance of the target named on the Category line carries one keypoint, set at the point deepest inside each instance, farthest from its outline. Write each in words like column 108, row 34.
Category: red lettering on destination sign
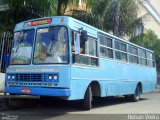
column 41, row 22
column 38, row 22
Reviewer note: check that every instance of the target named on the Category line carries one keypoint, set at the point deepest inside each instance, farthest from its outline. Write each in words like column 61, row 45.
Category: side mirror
column 84, row 35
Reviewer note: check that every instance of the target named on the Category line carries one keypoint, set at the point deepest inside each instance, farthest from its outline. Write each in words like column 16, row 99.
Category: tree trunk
column 60, row 2
column 116, row 13
column 62, row 6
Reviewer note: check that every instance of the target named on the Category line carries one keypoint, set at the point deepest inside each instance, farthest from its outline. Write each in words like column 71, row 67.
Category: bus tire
column 127, row 97
column 12, row 94
column 136, row 96
column 87, row 101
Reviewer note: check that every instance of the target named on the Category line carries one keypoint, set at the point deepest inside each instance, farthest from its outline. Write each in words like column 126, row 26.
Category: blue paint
column 114, row 77
column 39, row 91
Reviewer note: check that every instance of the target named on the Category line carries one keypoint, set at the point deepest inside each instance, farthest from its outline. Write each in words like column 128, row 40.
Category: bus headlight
column 55, row 77
column 9, row 77
column 50, row 77
column 13, row 77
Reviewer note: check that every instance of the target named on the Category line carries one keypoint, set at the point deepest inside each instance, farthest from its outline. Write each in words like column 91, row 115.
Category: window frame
column 132, row 54
column 68, row 58
column 120, row 50
column 85, row 55
column 141, row 57
column 106, row 46
column 127, row 52
column 152, row 60
column 30, row 62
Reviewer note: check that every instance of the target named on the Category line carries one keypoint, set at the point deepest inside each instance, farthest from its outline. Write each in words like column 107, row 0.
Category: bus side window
column 87, row 50
column 78, row 46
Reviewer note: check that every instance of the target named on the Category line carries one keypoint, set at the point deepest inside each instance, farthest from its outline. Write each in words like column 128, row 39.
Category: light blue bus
column 66, row 58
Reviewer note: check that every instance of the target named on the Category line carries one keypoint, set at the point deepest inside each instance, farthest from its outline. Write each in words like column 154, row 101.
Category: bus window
column 133, row 54
column 51, row 46
column 88, row 53
column 149, row 55
column 133, row 59
column 117, row 45
column 120, row 56
column 123, row 47
column 121, row 51
column 23, row 43
column 105, row 46
column 142, row 53
column 150, row 60
column 133, row 50
column 90, row 47
column 106, row 52
column 120, row 46
column 143, row 61
column 143, row 57
column 76, row 42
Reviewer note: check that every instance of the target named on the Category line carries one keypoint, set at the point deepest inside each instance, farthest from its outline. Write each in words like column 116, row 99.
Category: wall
column 149, row 20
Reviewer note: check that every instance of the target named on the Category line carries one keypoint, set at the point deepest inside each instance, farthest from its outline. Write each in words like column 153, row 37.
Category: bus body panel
column 41, row 87
column 39, row 91
column 114, row 77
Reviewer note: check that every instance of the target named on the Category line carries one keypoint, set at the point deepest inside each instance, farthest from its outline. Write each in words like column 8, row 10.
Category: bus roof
column 73, row 23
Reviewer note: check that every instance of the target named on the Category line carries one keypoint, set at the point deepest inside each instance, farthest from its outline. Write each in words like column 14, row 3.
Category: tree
column 149, row 40
column 62, row 6
column 118, row 16
column 99, row 13
column 21, row 10
column 116, row 10
column 73, row 8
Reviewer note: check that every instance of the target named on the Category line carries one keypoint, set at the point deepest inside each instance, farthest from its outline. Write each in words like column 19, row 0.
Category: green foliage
column 62, row 6
column 85, row 16
column 128, row 21
column 100, row 13
column 21, row 10
column 103, row 15
column 149, row 40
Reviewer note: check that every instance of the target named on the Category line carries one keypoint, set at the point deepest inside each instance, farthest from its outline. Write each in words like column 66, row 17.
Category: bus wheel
column 87, row 101
column 127, row 97
column 136, row 96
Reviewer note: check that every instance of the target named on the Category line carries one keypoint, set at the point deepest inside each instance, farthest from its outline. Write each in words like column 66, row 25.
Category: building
column 149, row 11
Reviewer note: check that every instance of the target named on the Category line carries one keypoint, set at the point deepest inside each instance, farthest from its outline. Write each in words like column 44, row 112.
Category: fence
column 6, row 42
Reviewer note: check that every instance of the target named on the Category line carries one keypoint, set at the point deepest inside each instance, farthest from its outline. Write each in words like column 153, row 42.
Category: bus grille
column 30, row 77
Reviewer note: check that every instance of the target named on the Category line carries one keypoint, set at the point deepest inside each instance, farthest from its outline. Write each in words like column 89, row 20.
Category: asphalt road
column 105, row 108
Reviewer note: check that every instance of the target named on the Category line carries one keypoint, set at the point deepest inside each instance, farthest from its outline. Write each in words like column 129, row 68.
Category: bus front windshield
column 51, row 46
column 22, row 49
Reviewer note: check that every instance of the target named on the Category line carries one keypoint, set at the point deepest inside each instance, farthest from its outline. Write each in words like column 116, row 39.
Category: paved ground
column 64, row 110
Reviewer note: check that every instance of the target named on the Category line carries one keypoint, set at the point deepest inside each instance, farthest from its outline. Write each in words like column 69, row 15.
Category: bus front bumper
column 38, row 91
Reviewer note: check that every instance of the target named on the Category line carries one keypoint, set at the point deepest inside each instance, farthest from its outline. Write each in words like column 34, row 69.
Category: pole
column 2, row 50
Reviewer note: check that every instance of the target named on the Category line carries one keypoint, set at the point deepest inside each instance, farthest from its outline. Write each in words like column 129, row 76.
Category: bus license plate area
column 26, row 90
